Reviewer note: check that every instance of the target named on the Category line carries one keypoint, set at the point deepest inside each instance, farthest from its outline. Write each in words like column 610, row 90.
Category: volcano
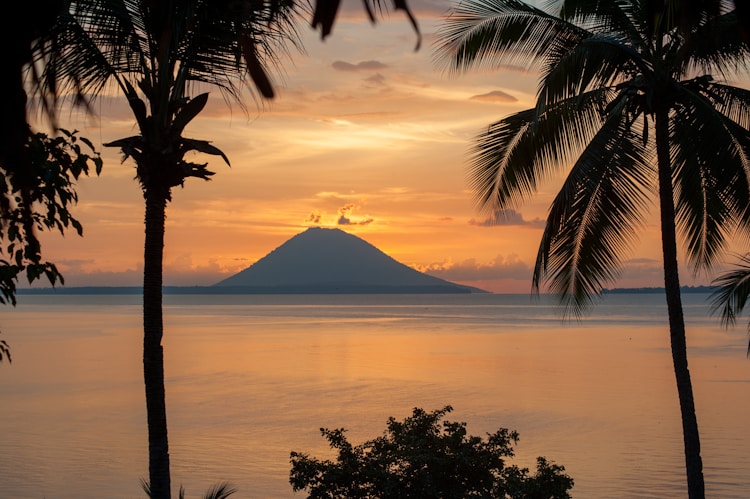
column 323, row 260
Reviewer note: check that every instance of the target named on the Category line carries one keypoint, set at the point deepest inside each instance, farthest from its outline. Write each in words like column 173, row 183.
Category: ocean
column 250, row 378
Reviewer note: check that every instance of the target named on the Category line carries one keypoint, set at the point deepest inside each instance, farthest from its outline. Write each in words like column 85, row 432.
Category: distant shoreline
column 253, row 290
column 310, row 290
column 683, row 289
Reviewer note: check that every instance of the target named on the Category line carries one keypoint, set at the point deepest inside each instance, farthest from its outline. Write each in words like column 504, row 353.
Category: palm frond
column 733, row 102
column 217, row 491
column 732, row 292
column 220, row 491
column 495, row 32
column 711, row 169
column 73, row 62
column 594, row 218
column 214, row 52
column 614, row 17
column 5, row 351
column 510, row 158
column 715, row 47
column 594, row 62
column 204, row 42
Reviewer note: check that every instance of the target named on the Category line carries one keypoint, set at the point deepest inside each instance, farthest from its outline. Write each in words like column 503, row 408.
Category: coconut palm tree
column 157, row 53
column 627, row 105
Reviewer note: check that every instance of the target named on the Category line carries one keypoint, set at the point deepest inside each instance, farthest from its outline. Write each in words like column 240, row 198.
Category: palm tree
column 627, row 105
column 156, row 52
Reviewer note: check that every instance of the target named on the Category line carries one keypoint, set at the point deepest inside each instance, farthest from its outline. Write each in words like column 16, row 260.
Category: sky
column 365, row 134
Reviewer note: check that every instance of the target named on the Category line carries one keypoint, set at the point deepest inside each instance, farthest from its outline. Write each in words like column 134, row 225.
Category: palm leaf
column 592, row 63
column 732, row 292
column 594, row 217
column 716, row 46
column 203, row 146
column 188, row 112
column 609, row 16
column 495, row 32
column 514, row 154
column 217, row 491
column 220, row 491
column 711, row 170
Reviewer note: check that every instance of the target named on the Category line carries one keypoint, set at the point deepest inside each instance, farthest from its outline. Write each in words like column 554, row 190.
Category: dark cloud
column 376, row 79
column 345, row 219
column 314, row 217
column 494, row 96
column 361, row 66
column 505, row 218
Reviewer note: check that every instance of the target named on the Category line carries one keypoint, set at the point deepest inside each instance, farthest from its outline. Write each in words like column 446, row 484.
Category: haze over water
column 251, row 378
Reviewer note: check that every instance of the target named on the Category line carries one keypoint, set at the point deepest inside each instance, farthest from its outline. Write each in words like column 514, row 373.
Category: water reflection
column 250, row 379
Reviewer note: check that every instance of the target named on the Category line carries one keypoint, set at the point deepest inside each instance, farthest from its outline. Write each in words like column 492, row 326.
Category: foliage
column 424, row 458
column 5, row 350
column 156, row 54
column 325, row 12
column 217, row 491
column 731, row 293
column 39, row 198
column 606, row 73
column 627, row 105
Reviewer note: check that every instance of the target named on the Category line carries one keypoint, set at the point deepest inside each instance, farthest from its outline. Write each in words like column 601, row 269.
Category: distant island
column 323, row 261
column 683, row 289
column 316, row 261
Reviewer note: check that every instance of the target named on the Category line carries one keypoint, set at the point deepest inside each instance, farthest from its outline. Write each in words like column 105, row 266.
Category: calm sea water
column 251, row 378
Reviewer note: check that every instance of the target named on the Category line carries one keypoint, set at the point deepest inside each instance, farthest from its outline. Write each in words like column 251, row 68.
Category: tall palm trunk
column 153, row 354
column 693, row 462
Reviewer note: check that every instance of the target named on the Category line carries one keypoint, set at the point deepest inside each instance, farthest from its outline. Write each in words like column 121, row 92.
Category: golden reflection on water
column 246, row 385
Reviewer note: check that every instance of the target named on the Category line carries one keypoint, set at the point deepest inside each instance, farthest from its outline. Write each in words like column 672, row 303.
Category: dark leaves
column 188, row 112
column 424, row 456
column 324, row 16
column 255, row 67
column 41, row 200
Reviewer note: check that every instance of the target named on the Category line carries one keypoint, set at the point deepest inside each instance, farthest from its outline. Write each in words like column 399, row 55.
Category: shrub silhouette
column 424, row 458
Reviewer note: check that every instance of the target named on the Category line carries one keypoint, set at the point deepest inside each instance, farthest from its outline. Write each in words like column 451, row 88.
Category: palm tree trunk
column 693, row 462
column 153, row 354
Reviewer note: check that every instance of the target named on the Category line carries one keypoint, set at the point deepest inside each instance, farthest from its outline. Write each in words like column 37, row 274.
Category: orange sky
column 366, row 135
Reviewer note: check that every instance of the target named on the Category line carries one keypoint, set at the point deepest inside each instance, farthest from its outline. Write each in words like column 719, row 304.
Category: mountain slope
column 331, row 260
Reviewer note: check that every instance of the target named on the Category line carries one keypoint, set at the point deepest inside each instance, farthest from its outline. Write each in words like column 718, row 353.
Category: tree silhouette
column 425, row 457
column 155, row 52
column 627, row 97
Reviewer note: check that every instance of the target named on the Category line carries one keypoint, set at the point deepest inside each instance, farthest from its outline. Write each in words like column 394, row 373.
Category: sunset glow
column 365, row 134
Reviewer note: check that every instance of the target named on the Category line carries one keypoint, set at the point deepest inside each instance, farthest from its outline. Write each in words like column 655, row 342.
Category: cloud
column 494, row 96
column 360, row 66
column 314, row 217
column 510, row 267
column 344, row 218
column 347, row 221
column 376, row 79
column 506, row 218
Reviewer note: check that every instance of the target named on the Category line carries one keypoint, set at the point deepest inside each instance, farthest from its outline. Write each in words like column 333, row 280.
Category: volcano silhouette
column 322, row 260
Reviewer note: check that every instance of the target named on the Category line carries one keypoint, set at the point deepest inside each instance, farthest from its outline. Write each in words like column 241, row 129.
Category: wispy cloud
column 506, row 218
column 494, row 96
column 360, row 66
column 346, row 219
